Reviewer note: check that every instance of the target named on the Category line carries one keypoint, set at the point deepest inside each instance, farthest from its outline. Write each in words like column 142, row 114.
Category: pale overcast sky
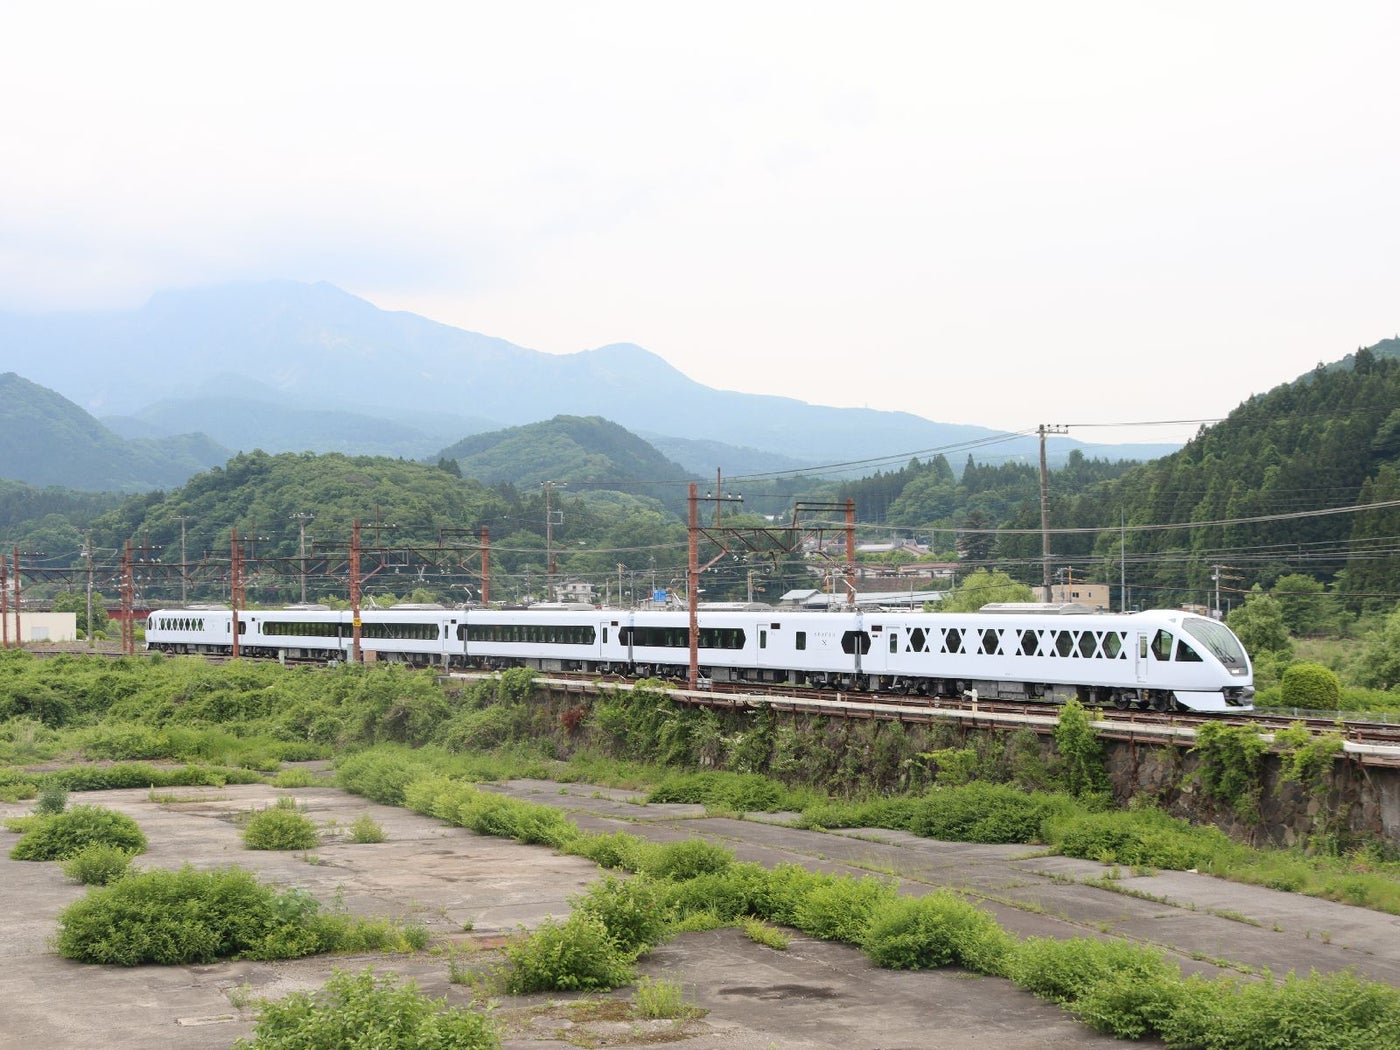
column 995, row 213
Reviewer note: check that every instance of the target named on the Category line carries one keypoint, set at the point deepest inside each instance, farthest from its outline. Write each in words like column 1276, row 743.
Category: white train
column 1163, row 659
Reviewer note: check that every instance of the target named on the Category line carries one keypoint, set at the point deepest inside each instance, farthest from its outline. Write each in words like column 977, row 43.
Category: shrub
column 838, row 908
column 52, row 798
column 630, row 909
column 366, row 1010
column 365, row 829
column 187, row 916
column 1310, row 685
column 1146, row 837
column 60, row 836
column 577, row 955
column 686, row 859
column 940, row 929
column 97, row 864
column 760, row 932
column 1066, row 971
column 280, row 828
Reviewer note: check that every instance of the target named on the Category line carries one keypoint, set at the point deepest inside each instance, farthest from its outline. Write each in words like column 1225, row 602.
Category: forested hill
column 1330, row 439
column 48, row 440
column 573, row 449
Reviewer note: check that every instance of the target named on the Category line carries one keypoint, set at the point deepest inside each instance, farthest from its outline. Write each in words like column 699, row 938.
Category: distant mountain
column 572, row 449
column 47, row 440
column 701, row 457
column 319, row 349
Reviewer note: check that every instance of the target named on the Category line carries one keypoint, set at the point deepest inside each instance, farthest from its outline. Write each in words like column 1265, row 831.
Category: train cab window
column 1185, row 654
column 801, row 640
column 1162, row 645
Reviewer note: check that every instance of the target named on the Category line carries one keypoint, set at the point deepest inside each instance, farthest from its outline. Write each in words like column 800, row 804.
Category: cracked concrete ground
column 471, row 891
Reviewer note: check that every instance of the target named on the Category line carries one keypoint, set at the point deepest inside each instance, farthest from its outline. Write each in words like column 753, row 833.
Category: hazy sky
column 995, row 213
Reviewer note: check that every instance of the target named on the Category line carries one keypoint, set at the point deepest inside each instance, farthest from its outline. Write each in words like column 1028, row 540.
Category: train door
column 1140, row 657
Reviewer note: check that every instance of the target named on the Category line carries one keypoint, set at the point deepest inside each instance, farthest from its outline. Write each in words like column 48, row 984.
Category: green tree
column 983, row 587
column 1307, row 607
column 1379, row 667
column 76, row 602
column 1259, row 624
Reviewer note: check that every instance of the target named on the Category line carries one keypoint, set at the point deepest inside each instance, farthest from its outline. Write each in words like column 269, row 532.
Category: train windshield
column 1219, row 639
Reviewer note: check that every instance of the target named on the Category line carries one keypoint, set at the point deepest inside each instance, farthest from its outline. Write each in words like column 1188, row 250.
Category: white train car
column 1163, row 659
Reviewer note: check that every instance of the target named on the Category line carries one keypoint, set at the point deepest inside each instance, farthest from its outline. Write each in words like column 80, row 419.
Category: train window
column 1162, row 645
column 1185, row 654
column 1088, row 642
column 605, row 635
column 918, row 641
column 1064, row 643
column 1113, row 645
column 852, row 640
column 762, row 638
column 894, row 641
column 991, row 642
column 1030, row 642
column 952, row 640
column 801, row 640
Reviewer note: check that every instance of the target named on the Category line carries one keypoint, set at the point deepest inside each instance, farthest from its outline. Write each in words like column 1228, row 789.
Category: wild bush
column 940, row 929
column 52, row 799
column 97, row 864
column 840, row 908
column 280, row 828
column 685, row 859
column 367, row 1010
column 1145, row 836
column 576, row 955
column 365, row 830
column 61, row 835
column 1065, row 971
column 632, row 910
column 1230, row 768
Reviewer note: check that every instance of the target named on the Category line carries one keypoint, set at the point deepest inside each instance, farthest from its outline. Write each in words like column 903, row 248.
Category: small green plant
column 576, row 955
column 97, row 864
column 630, row 909
column 416, row 936
column 365, row 829
column 367, row 1010
column 661, row 1000
column 280, row 828
column 760, row 932
column 240, row 995
column 52, row 798
column 293, row 778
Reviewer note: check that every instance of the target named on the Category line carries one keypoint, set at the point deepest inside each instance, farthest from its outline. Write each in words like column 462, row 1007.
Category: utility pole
column 551, row 568
column 235, row 586
column 128, row 602
column 485, row 566
column 184, row 567
column 1045, row 506
column 4, row 605
column 19, row 634
column 301, row 519
column 355, row 592
column 87, row 554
